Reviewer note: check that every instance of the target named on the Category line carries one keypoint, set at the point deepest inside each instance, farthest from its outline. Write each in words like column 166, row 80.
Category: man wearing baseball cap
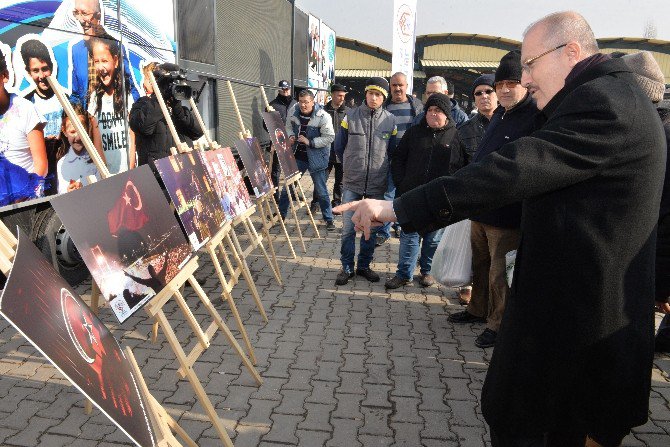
column 362, row 143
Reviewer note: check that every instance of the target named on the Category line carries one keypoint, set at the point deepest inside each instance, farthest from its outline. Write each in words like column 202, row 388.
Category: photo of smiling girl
column 110, row 103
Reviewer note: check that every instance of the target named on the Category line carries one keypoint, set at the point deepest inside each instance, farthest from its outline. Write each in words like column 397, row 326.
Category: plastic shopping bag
column 452, row 263
column 510, row 261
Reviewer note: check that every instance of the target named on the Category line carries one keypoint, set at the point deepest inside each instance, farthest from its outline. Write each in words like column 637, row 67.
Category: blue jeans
column 348, row 247
column 319, row 180
column 385, row 229
column 409, row 252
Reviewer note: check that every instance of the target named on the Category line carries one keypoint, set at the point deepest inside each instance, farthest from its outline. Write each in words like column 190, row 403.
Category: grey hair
column 399, row 73
column 441, row 80
column 562, row 27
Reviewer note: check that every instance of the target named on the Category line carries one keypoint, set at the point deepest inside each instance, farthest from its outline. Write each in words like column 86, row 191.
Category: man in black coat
column 495, row 233
column 337, row 111
column 427, row 151
column 152, row 135
column 574, row 352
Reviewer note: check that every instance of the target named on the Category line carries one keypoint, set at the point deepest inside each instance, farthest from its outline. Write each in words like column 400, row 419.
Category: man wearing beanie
column 495, row 233
column 366, row 136
column 651, row 80
column 427, row 151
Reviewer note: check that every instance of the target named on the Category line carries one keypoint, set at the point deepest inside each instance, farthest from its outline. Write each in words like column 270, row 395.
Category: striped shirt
column 403, row 116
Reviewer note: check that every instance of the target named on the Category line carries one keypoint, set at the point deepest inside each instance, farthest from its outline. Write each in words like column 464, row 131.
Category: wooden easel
column 161, row 422
column 296, row 201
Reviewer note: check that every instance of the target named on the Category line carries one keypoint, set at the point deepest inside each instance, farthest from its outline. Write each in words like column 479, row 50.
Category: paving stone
column 283, row 429
column 259, row 412
column 292, row 402
column 312, row 438
column 406, row 434
column 404, row 386
column 377, row 396
column 317, row 417
column 469, row 436
column 32, row 432
column 348, row 406
column 352, row 383
column 322, row 393
column 406, row 410
column 345, row 433
column 376, row 422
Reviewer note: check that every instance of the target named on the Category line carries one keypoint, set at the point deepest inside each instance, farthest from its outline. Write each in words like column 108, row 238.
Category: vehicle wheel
column 53, row 240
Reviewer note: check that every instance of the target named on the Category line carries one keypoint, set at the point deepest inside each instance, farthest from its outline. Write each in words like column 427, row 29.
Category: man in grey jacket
column 310, row 131
column 364, row 139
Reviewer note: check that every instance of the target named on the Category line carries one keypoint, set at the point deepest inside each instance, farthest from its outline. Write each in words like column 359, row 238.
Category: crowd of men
column 571, row 170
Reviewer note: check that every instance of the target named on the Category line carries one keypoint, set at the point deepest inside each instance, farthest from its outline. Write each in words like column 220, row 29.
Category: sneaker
column 427, row 280
column 486, row 339
column 368, row 274
column 465, row 317
column 343, row 277
column 396, row 282
column 314, row 207
column 380, row 240
column 330, row 225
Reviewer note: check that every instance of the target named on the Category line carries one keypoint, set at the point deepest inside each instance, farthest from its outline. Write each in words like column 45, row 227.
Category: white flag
column 404, row 27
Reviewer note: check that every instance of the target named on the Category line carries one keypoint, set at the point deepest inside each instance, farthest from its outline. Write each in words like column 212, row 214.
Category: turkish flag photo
column 127, row 212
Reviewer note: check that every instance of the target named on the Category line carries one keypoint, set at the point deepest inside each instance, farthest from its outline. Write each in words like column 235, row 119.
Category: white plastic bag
column 452, row 263
column 510, row 261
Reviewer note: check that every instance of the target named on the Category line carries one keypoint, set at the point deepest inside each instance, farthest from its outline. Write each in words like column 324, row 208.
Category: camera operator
column 152, row 135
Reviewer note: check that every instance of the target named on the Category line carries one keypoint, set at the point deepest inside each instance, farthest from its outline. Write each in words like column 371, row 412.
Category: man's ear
column 573, row 50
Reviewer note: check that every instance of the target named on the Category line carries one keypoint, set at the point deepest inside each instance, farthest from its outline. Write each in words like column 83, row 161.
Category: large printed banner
column 52, row 317
column 404, row 27
column 321, row 57
column 96, row 50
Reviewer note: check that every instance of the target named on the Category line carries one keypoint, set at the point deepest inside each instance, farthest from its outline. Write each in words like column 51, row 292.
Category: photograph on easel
column 130, row 239
column 252, row 157
column 40, row 304
column 230, row 186
column 277, row 131
column 193, row 194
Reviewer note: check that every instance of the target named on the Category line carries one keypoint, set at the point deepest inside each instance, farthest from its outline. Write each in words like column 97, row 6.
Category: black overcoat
column 575, row 347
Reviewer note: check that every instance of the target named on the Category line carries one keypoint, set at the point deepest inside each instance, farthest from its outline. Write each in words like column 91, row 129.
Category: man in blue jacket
column 310, row 131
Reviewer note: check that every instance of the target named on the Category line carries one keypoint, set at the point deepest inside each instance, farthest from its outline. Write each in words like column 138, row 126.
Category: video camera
column 172, row 83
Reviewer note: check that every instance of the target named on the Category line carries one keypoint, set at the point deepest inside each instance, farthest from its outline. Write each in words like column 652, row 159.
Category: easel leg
column 283, row 227
column 233, row 242
column 224, row 328
column 309, row 212
column 95, row 308
column 253, row 235
column 193, row 379
column 291, row 193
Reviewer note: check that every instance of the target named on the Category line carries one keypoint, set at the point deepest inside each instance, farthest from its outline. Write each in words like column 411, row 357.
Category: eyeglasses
column 306, row 103
column 526, row 66
column 488, row 91
column 84, row 15
column 509, row 84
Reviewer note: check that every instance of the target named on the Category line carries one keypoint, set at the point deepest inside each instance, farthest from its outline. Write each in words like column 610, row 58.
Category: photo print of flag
column 230, row 186
column 252, row 157
column 129, row 238
column 40, row 304
column 277, row 131
column 193, row 194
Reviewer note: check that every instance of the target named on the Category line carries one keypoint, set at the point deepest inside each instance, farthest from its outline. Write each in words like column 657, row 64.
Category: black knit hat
column 379, row 84
column 510, row 67
column 337, row 88
column 487, row 79
column 440, row 100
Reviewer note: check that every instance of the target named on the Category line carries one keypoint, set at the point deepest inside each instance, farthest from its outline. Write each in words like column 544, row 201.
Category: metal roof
column 459, row 64
column 359, row 73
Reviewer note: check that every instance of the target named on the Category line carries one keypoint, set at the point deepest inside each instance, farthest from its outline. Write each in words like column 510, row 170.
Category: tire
column 55, row 243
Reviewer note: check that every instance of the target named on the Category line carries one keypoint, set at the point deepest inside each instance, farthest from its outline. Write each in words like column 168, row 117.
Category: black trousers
column 337, row 187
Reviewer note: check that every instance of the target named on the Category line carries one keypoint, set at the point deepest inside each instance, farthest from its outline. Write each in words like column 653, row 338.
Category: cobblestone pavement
column 342, row 366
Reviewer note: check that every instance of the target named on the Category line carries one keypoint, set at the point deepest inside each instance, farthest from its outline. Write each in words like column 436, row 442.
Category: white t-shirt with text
column 115, row 141
column 15, row 125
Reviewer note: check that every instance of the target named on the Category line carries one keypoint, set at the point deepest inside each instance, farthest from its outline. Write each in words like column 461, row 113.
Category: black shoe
column 368, row 274
column 486, row 339
column 465, row 317
column 314, row 207
column 427, row 280
column 396, row 282
column 396, row 231
column 343, row 277
column 380, row 240
column 330, row 225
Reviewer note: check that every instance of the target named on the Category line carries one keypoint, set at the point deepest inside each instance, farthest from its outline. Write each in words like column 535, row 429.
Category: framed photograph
column 277, row 131
column 252, row 157
column 230, row 186
column 127, row 235
column 40, row 304
column 193, row 194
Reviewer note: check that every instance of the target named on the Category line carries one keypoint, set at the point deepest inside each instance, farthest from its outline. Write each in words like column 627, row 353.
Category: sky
column 370, row 20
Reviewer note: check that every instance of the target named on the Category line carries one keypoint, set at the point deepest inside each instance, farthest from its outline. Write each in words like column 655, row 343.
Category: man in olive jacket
column 574, row 353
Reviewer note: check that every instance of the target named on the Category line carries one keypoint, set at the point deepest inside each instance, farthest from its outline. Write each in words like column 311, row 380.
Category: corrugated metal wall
column 254, row 44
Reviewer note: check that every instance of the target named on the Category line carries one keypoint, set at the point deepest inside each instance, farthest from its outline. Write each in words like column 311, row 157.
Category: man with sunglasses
column 573, row 358
column 495, row 233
